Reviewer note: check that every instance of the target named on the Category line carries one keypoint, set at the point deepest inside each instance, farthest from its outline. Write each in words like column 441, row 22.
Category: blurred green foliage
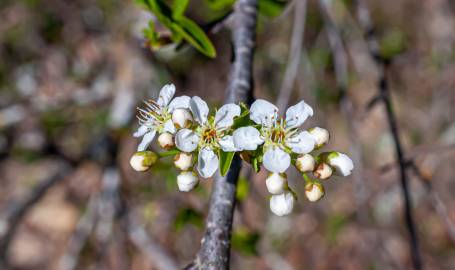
column 334, row 226
column 188, row 216
column 393, row 42
column 243, row 188
column 245, row 241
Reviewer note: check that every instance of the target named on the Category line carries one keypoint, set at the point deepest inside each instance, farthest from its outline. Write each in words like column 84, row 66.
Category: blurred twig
column 294, row 55
column 384, row 94
column 341, row 73
column 16, row 212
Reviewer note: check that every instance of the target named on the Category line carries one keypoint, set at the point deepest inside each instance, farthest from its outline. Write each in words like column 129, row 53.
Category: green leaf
column 178, row 8
column 194, row 35
column 225, row 161
column 271, row 8
column 243, row 119
column 256, row 164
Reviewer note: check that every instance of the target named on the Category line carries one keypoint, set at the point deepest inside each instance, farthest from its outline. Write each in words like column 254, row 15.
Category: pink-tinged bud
column 186, row 181
column 305, row 163
column 282, row 204
column 276, row 183
column 182, row 118
column 183, row 161
column 166, row 140
column 142, row 161
column 314, row 191
column 320, row 135
column 323, row 171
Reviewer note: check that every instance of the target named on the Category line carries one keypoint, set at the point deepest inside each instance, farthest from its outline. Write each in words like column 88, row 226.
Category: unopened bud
column 342, row 164
column 282, row 204
column 182, row 118
column 305, row 163
column 323, row 171
column 166, row 140
column 183, row 161
column 186, row 181
column 320, row 135
column 276, row 183
column 142, row 161
column 314, row 191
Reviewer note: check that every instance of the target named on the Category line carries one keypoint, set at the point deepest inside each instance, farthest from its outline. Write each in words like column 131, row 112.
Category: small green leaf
column 271, row 8
column 225, row 161
column 256, row 164
column 178, row 8
column 194, row 35
column 243, row 119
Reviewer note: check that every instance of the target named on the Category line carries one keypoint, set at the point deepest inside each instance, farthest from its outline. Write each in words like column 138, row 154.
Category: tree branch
column 383, row 88
column 215, row 245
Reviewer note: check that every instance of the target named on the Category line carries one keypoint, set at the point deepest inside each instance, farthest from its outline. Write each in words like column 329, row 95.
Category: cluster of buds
column 199, row 141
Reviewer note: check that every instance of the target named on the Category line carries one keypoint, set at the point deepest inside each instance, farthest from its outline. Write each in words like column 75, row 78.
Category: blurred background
column 73, row 72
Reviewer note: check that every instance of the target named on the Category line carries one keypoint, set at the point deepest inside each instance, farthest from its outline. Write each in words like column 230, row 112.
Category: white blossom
column 279, row 136
column 320, row 135
column 323, row 171
column 276, row 183
column 183, row 161
column 186, row 181
column 305, row 163
column 342, row 164
column 166, row 140
column 282, row 204
column 210, row 136
column 142, row 161
column 314, row 191
column 156, row 116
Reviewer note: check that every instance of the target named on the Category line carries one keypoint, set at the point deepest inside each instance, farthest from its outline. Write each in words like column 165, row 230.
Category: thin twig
column 215, row 245
column 383, row 88
column 438, row 204
column 341, row 74
column 16, row 212
column 292, row 67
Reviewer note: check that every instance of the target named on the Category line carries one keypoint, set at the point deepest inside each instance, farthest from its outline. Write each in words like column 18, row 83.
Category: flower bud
column 342, row 164
column 186, row 181
column 276, row 183
column 314, row 191
column 305, row 163
column 323, row 171
column 166, row 140
column 142, row 161
column 182, row 118
column 320, row 135
column 183, row 161
column 282, row 204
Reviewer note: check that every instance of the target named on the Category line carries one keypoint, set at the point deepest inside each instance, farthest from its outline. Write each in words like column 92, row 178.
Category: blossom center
column 209, row 136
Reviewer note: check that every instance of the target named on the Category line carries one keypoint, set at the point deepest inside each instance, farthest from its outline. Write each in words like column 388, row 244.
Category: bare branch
column 294, row 55
column 383, row 89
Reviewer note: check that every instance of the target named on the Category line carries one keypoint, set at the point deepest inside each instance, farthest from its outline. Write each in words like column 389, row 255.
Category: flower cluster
column 258, row 134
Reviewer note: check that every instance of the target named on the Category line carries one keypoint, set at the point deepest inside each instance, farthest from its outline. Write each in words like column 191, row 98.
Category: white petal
column 276, row 160
column 282, row 204
column 182, row 102
column 169, row 127
column 141, row 131
column 207, row 162
column 276, row 183
column 227, row 144
column 186, row 140
column 199, row 109
column 247, row 138
column 186, row 181
column 224, row 117
column 263, row 112
column 301, row 143
column 166, row 94
column 146, row 140
column 297, row 114
column 342, row 163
